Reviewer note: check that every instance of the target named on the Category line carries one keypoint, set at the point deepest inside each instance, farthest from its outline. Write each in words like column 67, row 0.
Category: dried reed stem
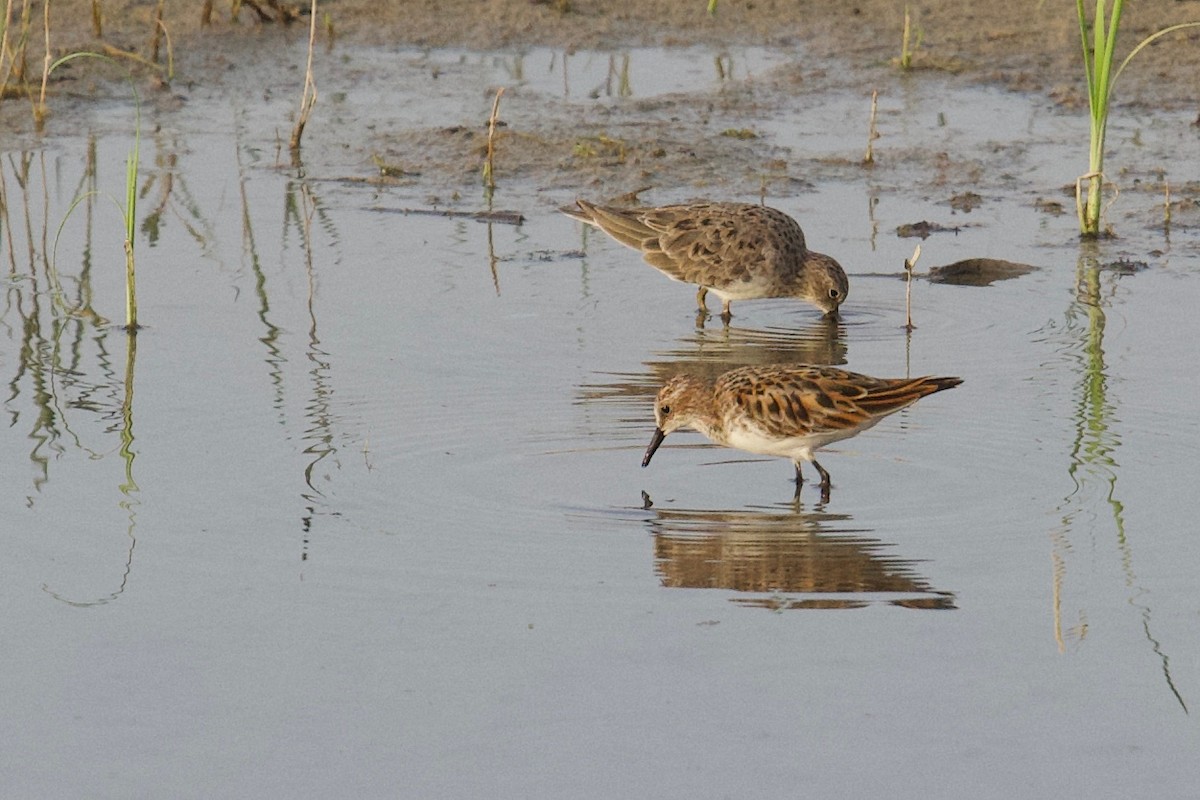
column 308, row 98
column 909, row 264
column 4, row 45
column 156, row 41
column 872, row 131
column 116, row 52
column 489, row 174
column 18, row 63
column 1166, row 204
column 39, row 108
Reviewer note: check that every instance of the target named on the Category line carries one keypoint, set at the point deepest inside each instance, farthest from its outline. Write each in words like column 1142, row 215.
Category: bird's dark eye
column 834, row 294
column 665, row 410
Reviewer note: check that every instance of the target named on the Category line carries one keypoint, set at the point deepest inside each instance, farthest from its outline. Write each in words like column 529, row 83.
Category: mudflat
column 1027, row 45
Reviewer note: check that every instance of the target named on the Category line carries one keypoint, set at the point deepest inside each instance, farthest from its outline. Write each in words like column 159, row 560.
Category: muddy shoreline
column 1027, row 46
column 667, row 142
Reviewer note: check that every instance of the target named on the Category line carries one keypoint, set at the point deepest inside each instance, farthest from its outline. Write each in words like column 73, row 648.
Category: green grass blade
column 1147, row 41
column 1087, row 54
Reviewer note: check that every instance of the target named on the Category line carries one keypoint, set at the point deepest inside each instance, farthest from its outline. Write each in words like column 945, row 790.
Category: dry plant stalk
column 39, row 108
column 489, row 174
column 872, row 131
column 14, row 57
column 156, row 42
column 909, row 264
column 1166, row 204
column 116, row 52
column 4, row 48
column 97, row 20
column 170, row 53
column 308, row 98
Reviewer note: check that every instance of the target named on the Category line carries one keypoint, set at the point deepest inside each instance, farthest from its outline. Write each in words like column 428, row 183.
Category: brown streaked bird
column 785, row 410
column 738, row 251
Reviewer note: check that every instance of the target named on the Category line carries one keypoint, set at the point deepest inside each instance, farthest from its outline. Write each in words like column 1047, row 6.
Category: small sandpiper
column 785, row 410
column 738, row 251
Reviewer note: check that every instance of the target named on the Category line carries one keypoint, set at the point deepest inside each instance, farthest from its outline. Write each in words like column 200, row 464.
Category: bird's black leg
column 824, row 481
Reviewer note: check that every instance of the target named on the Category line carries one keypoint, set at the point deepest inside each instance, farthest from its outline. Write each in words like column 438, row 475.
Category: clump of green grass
column 604, row 146
column 1098, row 62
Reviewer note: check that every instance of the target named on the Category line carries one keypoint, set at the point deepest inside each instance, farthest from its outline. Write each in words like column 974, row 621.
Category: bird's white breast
column 754, row 439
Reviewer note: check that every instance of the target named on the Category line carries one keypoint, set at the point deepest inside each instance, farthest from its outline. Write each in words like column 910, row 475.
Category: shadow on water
column 275, row 358
column 785, row 558
column 304, row 214
column 58, row 342
column 709, row 351
column 174, row 198
column 1092, row 464
column 66, row 366
column 128, row 489
column 584, row 75
column 302, row 207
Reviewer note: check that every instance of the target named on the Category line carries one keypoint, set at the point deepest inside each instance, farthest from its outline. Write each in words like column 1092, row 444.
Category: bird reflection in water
column 785, row 559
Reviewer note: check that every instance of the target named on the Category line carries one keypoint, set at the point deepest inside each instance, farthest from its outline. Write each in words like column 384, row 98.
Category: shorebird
column 738, row 251
column 785, row 410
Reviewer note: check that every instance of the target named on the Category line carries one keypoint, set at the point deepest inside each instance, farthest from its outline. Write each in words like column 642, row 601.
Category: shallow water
column 362, row 512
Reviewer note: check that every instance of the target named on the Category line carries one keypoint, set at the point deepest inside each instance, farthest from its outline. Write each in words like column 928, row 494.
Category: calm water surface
column 362, row 511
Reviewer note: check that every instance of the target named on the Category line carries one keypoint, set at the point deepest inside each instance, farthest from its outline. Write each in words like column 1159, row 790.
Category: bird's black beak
column 655, row 441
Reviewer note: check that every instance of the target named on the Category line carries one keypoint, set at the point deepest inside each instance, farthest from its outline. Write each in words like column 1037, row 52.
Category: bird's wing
column 717, row 244
column 794, row 400
column 710, row 244
column 622, row 224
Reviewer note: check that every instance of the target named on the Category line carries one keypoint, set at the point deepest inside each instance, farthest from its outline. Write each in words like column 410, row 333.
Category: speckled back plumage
column 794, row 400
column 737, row 250
column 784, row 410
